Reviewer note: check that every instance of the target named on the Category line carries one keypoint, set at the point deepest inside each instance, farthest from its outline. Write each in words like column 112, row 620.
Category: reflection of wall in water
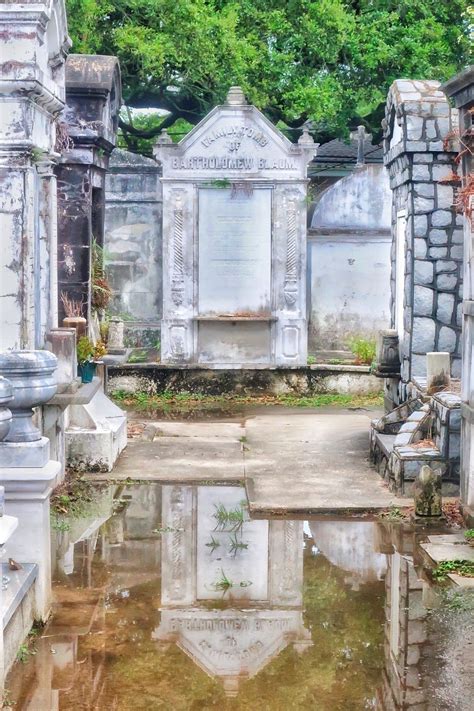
column 350, row 545
column 405, row 630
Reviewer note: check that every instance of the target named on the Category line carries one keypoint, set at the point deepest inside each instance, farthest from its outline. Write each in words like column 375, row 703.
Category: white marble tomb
column 234, row 241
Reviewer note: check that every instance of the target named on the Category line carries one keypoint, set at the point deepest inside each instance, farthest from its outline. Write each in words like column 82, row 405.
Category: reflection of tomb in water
column 231, row 635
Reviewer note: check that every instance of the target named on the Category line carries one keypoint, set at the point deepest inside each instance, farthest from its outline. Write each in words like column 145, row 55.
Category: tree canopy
column 325, row 61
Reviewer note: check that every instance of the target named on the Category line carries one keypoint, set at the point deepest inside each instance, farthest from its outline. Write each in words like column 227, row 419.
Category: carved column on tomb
column 178, row 580
column 177, row 275
column 291, row 271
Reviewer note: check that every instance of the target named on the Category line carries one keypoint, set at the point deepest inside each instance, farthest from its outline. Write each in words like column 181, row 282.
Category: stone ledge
column 82, row 396
column 20, row 582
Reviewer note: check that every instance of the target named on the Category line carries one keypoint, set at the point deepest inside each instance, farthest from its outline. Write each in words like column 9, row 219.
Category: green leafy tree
column 327, row 61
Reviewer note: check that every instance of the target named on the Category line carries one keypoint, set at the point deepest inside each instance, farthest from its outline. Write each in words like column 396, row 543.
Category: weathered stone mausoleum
column 234, row 241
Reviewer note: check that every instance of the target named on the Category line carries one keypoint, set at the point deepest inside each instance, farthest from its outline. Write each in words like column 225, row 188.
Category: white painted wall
column 349, row 287
column 349, row 244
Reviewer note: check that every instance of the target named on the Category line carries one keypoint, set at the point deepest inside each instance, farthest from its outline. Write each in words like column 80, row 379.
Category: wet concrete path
column 291, row 460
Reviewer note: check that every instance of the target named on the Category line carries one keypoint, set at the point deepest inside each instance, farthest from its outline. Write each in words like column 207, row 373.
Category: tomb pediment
column 235, row 140
column 233, row 644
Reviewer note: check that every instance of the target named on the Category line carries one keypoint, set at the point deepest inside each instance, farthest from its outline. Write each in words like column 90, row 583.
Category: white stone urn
column 6, row 396
column 31, row 374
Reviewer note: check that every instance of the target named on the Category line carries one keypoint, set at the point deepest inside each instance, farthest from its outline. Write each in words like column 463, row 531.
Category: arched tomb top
column 93, row 73
column 236, row 141
column 360, row 201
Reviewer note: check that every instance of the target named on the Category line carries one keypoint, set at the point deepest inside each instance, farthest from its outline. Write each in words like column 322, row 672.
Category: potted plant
column 85, row 359
column 88, row 356
column 74, row 317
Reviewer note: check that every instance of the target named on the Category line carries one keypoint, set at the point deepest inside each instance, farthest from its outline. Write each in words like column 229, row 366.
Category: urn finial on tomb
column 164, row 138
column 235, row 97
column 306, row 137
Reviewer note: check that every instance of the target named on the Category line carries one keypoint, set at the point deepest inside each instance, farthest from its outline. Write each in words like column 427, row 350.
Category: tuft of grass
column 392, row 514
column 469, row 534
column 363, row 350
column 183, row 403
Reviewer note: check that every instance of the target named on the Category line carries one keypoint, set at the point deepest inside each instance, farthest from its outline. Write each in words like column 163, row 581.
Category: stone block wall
column 461, row 89
column 417, row 129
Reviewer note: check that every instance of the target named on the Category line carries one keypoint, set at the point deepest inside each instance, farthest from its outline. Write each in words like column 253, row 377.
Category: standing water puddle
column 170, row 597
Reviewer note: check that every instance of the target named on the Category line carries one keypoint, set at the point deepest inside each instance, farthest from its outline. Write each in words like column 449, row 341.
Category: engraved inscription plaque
column 234, row 252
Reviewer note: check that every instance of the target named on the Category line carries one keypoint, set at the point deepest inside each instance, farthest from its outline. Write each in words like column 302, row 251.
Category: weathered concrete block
column 414, row 127
column 445, row 265
column 421, row 173
column 420, row 248
column 423, row 301
column 422, row 205
column 444, row 312
column 423, row 337
column 441, row 218
column 423, row 272
column 446, row 281
column 422, row 158
column 438, row 237
column 425, row 190
column 420, row 225
column 431, row 129
column 441, row 171
column 457, row 252
column 447, row 339
column 444, row 196
column 438, row 252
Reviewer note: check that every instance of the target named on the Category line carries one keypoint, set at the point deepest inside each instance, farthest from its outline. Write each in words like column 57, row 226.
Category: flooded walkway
column 322, row 453
column 172, row 597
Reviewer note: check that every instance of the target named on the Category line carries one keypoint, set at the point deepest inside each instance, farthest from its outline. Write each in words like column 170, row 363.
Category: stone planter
column 77, row 322
column 31, row 374
column 6, row 397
